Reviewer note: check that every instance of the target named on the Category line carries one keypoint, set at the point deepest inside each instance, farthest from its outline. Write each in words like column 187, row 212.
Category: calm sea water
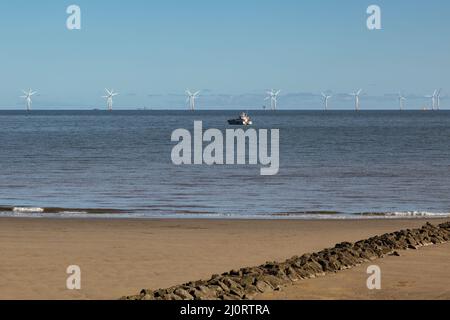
column 333, row 165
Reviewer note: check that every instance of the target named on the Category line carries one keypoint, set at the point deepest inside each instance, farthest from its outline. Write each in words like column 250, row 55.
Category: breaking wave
column 406, row 214
column 178, row 213
column 27, row 210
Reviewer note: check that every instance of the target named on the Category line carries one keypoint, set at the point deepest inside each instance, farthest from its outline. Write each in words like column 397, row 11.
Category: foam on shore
column 86, row 213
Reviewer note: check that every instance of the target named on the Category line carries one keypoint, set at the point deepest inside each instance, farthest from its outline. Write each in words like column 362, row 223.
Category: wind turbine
column 109, row 98
column 401, row 99
column 438, row 99
column 325, row 99
column 191, row 98
column 27, row 98
column 433, row 99
column 356, row 95
column 273, row 96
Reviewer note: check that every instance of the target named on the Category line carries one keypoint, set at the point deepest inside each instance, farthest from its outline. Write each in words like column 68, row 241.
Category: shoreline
column 107, row 217
column 121, row 257
column 121, row 214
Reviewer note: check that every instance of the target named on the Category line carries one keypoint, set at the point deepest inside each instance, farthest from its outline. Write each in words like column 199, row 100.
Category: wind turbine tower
column 273, row 97
column 433, row 99
column 438, row 99
column 357, row 99
column 401, row 100
column 326, row 98
column 109, row 98
column 191, row 98
column 27, row 96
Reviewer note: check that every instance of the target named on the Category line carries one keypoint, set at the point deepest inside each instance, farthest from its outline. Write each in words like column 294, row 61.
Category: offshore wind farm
column 273, row 96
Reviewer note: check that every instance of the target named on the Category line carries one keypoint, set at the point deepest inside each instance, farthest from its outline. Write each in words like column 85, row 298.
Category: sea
column 333, row 165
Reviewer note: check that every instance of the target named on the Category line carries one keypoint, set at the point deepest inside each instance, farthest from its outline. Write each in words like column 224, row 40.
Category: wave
column 176, row 213
column 28, row 210
column 411, row 214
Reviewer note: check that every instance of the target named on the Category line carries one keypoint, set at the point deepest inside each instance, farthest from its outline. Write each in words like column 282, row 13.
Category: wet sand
column 121, row 257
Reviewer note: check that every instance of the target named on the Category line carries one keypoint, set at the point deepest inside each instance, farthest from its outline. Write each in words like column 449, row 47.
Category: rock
column 274, row 281
column 237, row 273
column 247, row 281
column 146, row 291
column 263, row 286
column 229, row 297
column 183, row 294
column 170, row 296
column 250, row 290
column 148, row 297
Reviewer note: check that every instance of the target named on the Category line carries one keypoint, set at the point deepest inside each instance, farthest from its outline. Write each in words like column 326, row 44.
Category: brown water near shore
column 120, row 257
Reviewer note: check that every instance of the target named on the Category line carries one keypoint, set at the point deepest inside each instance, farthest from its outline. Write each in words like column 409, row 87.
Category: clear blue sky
column 150, row 51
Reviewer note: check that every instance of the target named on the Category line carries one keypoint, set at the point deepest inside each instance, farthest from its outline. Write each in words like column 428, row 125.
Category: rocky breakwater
column 248, row 282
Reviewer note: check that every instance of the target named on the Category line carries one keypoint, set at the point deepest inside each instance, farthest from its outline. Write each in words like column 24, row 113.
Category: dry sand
column 120, row 257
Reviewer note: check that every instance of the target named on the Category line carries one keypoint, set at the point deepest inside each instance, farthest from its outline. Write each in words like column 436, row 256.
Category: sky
column 150, row 51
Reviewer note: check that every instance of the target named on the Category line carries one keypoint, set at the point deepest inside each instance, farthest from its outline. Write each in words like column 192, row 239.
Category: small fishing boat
column 243, row 120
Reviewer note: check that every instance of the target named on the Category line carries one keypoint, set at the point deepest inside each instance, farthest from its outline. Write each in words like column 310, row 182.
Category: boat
column 243, row 120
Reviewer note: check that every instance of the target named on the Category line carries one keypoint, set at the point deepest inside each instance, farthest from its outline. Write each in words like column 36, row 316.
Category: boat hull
column 238, row 122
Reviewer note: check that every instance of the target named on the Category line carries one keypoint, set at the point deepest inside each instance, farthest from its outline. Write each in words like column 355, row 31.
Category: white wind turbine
column 273, row 96
column 109, row 98
column 438, row 99
column 27, row 98
column 433, row 99
column 401, row 100
column 191, row 98
column 325, row 100
column 357, row 96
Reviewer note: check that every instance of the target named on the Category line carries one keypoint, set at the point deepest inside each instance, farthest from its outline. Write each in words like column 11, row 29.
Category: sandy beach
column 121, row 257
